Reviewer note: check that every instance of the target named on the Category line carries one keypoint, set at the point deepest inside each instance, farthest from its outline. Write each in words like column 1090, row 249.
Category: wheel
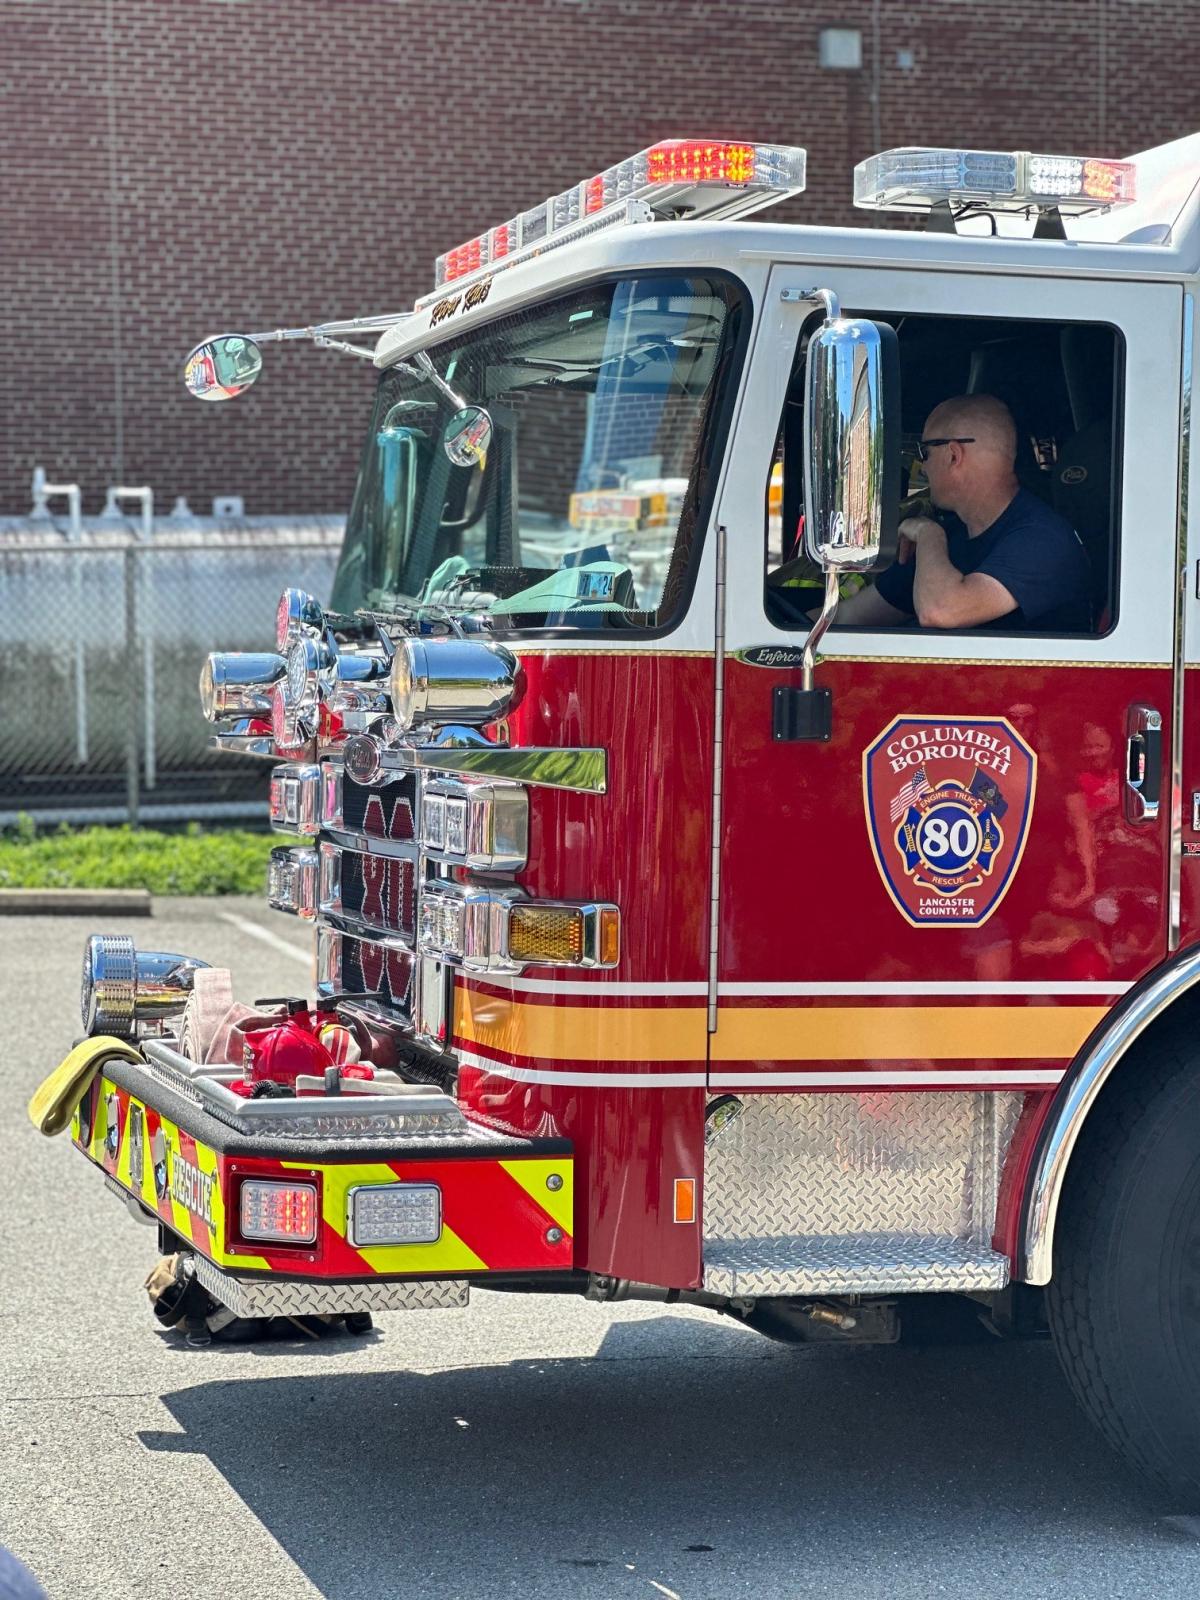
column 1124, row 1300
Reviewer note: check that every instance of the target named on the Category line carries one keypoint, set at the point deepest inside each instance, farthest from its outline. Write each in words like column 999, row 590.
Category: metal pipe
column 131, row 750
column 144, row 495
column 43, row 492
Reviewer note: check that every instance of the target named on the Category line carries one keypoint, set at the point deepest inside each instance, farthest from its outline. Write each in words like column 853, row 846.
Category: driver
column 1005, row 560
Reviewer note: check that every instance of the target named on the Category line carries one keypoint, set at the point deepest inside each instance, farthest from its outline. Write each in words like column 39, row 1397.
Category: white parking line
column 244, row 925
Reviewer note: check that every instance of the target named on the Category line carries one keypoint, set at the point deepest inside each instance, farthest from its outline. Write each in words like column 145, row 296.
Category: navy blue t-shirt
column 1032, row 551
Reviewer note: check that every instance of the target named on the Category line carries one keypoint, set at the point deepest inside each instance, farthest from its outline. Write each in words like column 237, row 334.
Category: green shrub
column 217, row 861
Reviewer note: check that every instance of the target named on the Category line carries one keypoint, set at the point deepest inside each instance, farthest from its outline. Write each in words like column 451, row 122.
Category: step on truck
column 705, row 908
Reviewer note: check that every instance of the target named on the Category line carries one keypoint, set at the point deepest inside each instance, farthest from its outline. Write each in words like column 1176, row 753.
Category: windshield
column 583, row 511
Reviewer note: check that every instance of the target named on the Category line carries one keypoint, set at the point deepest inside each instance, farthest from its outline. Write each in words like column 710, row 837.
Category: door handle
column 1143, row 764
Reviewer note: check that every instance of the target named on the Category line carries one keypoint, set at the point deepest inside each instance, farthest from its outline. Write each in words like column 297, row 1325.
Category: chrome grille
column 389, row 812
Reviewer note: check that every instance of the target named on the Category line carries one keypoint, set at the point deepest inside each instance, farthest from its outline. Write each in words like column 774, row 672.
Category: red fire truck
column 671, row 944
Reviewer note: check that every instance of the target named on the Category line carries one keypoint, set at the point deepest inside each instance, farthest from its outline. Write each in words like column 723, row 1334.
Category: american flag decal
column 912, row 790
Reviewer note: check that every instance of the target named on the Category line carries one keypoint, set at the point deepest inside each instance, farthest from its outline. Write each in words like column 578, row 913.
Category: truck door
column 951, row 891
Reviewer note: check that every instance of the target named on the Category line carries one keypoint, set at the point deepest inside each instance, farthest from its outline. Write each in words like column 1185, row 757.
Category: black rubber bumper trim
column 219, row 1136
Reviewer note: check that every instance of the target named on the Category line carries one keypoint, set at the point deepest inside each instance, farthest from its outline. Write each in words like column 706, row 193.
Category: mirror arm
column 325, row 329
column 322, row 343
column 833, row 307
column 818, row 630
column 425, row 368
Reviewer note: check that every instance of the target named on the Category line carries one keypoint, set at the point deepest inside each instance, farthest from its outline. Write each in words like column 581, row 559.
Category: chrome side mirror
column 851, row 482
column 852, row 455
column 221, row 368
column 467, row 437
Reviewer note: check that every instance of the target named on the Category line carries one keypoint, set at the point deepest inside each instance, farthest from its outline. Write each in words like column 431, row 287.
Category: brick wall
column 179, row 167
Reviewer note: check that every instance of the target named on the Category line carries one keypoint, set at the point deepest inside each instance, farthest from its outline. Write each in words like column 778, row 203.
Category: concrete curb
column 75, row 902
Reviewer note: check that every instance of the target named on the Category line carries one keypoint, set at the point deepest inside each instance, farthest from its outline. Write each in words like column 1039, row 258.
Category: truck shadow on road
column 703, row 1466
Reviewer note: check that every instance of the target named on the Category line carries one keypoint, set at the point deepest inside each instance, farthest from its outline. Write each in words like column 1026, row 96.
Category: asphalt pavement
column 528, row 1447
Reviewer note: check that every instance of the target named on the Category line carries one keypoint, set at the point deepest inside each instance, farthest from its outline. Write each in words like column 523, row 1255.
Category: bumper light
column 292, row 881
column 484, row 826
column 296, row 799
column 283, row 1212
column 564, row 936
column 238, row 684
column 487, row 932
column 452, row 680
column 123, row 987
column 395, row 1213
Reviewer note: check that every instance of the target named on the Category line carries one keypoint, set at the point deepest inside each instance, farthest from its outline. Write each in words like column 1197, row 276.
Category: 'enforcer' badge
column 948, row 803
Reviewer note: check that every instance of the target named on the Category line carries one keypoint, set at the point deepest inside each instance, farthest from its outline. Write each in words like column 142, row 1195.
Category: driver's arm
column 866, row 609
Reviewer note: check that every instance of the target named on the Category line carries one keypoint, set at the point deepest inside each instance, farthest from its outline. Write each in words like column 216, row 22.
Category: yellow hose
column 55, row 1098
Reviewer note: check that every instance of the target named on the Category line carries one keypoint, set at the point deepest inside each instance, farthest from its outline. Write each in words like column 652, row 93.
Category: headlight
column 307, row 659
column 123, row 986
column 238, row 684
column 452, row 680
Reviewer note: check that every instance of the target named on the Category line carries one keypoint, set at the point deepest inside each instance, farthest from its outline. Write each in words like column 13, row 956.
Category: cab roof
column 1156, row 237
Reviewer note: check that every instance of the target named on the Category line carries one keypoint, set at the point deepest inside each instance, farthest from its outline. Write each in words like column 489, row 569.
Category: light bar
column 675, row 178
column 915, row 179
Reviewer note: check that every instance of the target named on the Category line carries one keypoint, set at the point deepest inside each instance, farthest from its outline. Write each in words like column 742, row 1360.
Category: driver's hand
column 913, row 530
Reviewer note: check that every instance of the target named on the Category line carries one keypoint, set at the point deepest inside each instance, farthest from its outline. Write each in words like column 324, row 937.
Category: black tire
column 1124, row 1301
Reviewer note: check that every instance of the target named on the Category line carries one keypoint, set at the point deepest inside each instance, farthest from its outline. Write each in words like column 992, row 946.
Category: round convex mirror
column 467, row 437
column 221, row 368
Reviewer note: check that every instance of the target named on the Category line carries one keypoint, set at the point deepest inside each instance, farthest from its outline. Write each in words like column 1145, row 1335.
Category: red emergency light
column 674, row 178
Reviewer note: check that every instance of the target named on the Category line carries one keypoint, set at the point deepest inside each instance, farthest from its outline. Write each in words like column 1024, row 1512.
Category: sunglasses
column 924, row 446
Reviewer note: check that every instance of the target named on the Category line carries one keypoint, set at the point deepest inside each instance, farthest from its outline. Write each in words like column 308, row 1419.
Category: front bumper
column 505, row 1204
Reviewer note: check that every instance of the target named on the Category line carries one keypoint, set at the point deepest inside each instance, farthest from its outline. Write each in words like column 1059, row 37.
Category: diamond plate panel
column 827, row 1192
column 867, row 1263
column 296, row 1298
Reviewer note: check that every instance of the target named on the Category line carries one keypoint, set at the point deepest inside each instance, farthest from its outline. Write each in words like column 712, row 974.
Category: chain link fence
column 104, row 637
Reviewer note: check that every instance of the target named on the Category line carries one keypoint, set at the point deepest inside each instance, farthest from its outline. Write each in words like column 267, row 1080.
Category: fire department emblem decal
column 948, row 803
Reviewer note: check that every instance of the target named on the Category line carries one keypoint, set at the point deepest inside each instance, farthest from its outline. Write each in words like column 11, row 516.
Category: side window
column 1042, row 531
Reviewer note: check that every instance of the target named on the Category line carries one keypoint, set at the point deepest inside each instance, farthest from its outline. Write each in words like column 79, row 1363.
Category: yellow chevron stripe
column 557, row 1203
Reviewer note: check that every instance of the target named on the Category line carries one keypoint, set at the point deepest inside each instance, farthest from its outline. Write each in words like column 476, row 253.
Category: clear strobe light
column 395, row 1213
column 915, row 179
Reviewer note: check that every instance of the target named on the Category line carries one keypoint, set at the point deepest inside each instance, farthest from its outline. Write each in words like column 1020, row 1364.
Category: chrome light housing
column 297, row 615
column 468, row 681
column 309, row 660
column 480, row 824
column 292, row 881
column 124, row 988
column 498, row 931
column 359, row 682
column 296, row 799
column 239, row 684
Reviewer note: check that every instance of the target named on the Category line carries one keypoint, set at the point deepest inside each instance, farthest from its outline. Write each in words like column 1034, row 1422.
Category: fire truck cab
column 673, row 937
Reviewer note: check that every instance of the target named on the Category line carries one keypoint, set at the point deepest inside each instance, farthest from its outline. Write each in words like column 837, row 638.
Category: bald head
column 980, row 417
column 975, row 480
